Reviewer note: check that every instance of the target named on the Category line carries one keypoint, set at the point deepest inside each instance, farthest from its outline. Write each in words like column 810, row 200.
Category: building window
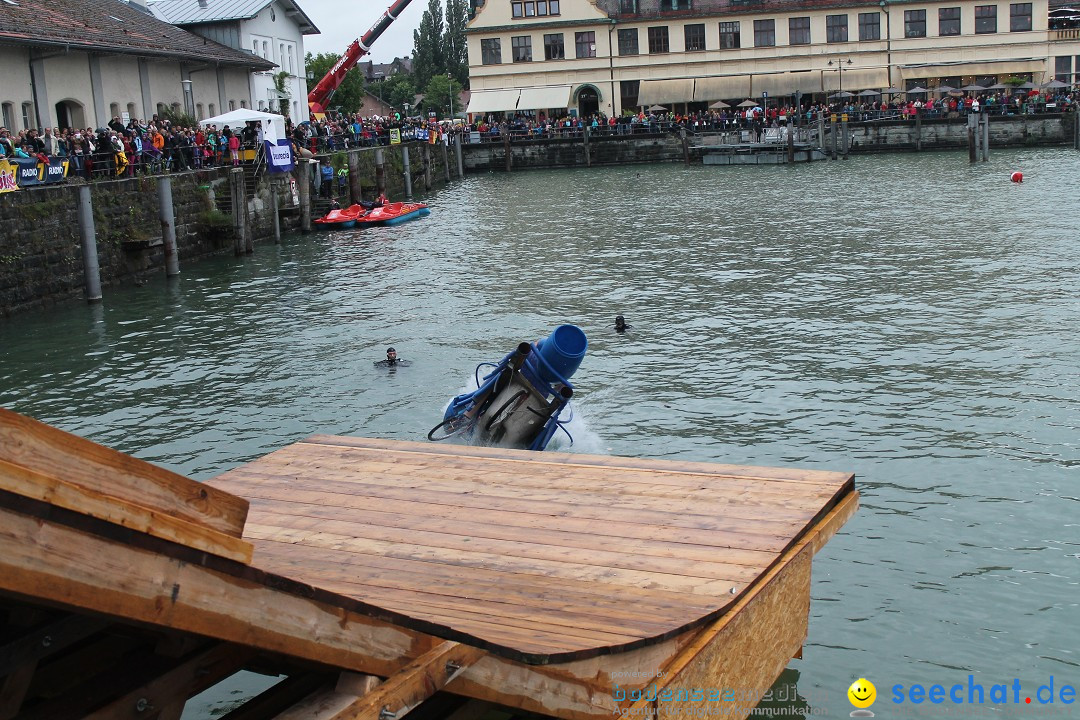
column 949, row 21
column 729, row 36
column 628, row 92
column 628, row 6
column 1020, row 17
column 534, row 8
column 114, row 109
column 521, row 48
column 836, row 28
column 281, row 55
column 1063, row 69
column 292, row 68
column 914, row 23
column 628, row 44
column 199, row 112
column 658, row 40
column 9, row 116
column 553, row 47
column 27, row 115
column 266, row 50
column 695, row 37
column 870, row 26
column 764, row 33
column 799, row 31
column 666, row 5
column 491, row 51
column 161, row 108
column 243, row 104
column 985, row 19
column 585, row 43
column 213, row 109
column 262, row 106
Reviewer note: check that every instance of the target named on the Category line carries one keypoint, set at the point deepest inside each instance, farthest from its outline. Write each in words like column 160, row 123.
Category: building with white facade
column 618, row 55
column 80, row 63
column 273, row 30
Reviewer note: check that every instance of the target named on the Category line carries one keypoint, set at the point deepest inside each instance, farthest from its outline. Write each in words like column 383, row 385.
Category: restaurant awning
column 542, row 98
column 665, row 92
column 485, row 101
column 856, row 79
column 787, row 83
column 981, row 69
column 722, row 88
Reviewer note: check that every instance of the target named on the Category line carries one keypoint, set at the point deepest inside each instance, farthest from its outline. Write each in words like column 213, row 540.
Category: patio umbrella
column 943, row 89
column 1027, row 86
column 657, row 108
column 841, row 95
column 973, row 88
column 747, row 104
column 869, row 93
column 916, row 89
column 719, row 105
column 1055, row 85
column 891, row 91
column 999, row 86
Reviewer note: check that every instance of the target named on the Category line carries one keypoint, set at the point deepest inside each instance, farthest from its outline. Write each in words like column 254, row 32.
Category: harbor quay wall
column 41, row 256
column 952, row 133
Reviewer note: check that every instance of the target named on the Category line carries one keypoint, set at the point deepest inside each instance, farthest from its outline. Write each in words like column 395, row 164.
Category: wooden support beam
column 13, row 690
column 75, row 460
column 81, row 570
column 165, row 695
column 36, row 485
column 45, row 641
column 395, row 698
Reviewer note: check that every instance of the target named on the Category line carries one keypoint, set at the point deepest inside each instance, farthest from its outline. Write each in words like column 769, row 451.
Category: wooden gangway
column 381, row 575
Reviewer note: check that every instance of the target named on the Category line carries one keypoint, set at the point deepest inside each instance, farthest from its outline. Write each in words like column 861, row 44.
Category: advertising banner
column 395, row 136
column 7, row 177
column 27, row 174
column 279, row 156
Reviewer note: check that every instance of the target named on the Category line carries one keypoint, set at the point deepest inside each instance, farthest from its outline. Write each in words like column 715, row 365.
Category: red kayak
column 393, row 213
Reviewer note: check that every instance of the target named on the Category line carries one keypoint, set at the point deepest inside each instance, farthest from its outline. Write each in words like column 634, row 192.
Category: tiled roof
column 110, row 26
column 192, row 12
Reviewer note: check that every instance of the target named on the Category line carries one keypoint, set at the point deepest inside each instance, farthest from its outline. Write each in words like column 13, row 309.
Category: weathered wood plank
column 39, row 486
column 75, row 460
column 608, row 461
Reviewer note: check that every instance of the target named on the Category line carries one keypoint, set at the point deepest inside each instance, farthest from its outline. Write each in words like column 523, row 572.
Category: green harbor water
column 910, row 318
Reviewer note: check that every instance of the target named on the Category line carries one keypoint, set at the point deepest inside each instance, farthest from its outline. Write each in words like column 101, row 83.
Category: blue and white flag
column 279, row 156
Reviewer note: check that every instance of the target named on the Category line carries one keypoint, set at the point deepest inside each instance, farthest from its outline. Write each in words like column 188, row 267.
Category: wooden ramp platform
column 538, row 557
column 383, row 577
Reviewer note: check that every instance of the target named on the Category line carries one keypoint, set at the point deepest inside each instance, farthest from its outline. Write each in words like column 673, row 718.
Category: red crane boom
column 320, row 95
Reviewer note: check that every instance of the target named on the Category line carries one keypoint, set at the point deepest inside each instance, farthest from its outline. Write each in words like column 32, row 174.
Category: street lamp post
column 450, row 78
column 840, row 63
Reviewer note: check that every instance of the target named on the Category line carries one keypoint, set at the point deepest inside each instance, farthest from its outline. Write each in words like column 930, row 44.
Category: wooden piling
column 428, row 179
column 303, row 183
column 239, row 205
column 585, row 139
column 168, row 226
column 506, row 149
column 986, row 136
column 276, row 211
column 355, row 193
column 446, row 159
column 791, row 142
column 918, row 130
column 88, row 237
column 380, row 171
column 457, row 155
column 406, row 163
column 685, row 146
column 973, row 128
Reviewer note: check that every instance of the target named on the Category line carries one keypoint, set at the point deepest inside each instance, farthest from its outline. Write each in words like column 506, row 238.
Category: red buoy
column 1017, row 177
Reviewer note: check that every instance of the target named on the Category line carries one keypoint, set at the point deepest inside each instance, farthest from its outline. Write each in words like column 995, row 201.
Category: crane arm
column 319, row 97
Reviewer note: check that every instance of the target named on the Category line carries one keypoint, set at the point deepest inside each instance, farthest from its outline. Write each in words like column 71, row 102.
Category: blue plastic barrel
column 561, row 353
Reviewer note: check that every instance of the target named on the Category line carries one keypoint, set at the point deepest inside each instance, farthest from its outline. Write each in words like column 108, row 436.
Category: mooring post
column 303, row 183
column 790, row 141
column 1076, row 129
column 457, row 154
column 355, row 193
column 91, row 270
column 986, row 136
column 428, row 179
column 835, row 140
column 821, row 133
column 168, row 225
column 974, row 127
column 918, row 129
column 845, row 139
column 239, row 206
column 380, row 171
column 275, row 210
column 585, row 139
column 505, row 130
column 685, row 146
column 407, row 171
column 446, row 159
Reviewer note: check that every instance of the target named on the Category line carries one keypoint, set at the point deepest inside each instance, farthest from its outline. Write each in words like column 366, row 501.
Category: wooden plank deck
column 539, row 557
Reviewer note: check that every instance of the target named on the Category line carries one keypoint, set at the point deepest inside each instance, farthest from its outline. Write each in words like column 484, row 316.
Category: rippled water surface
column 912, row 319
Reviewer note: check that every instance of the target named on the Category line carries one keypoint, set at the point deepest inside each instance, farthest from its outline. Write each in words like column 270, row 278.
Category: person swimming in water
column 392, row 360
column 620, row 324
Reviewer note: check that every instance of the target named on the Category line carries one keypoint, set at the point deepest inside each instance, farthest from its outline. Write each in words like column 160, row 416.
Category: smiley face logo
column 862, row 693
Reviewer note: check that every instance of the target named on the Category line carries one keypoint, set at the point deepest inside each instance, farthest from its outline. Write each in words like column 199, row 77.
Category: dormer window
column 666, row 5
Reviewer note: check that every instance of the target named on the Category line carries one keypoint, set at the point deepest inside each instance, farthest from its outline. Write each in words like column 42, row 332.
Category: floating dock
column 383, row 579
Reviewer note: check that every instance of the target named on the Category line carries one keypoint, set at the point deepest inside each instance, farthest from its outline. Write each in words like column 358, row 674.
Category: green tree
column 428, row 56
column 454, row 46
column 440, row 92
column 399, row 89
column 350, row 94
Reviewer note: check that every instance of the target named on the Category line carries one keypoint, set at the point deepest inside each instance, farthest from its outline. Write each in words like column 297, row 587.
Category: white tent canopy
column 273, row 125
